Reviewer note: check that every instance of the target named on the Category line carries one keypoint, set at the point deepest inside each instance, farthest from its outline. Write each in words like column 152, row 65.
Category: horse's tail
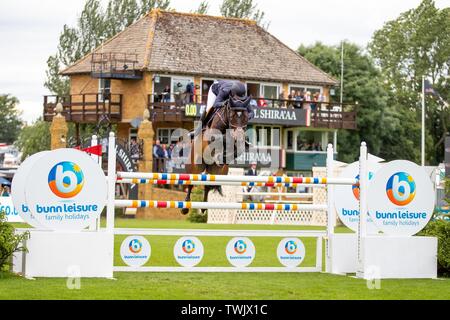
column 218, row 189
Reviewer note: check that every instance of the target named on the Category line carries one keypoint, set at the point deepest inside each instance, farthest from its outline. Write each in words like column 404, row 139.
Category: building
column 167, row 51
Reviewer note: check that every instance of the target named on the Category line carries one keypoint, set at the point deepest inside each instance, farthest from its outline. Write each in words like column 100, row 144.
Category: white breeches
column 211, row 99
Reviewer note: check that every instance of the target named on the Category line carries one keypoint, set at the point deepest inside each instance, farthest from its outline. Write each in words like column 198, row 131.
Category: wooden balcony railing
column 178, row 108
column 85, row 108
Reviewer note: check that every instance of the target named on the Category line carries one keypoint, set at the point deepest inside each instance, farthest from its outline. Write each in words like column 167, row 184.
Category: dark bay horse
column 228, row 120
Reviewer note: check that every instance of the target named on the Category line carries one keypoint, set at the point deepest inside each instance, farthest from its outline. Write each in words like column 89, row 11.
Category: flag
column 95, row 150
column 429, row 89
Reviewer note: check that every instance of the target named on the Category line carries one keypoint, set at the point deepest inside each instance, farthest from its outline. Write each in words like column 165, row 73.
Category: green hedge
column 10, row 242
column 441, row 230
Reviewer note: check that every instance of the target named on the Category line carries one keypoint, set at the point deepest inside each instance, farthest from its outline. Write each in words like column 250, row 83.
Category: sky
column 29, row 32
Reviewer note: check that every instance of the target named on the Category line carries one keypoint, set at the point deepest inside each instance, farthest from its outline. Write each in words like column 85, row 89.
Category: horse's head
column 237, row 122
column 238, row 114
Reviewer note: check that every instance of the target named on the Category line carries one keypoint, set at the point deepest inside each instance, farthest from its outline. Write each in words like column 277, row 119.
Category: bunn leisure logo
column 355, row 187
column 401, row 189
column 66, row 179
column 240, row 247
column 135, row 246
column 188, row 246
column 290, row 247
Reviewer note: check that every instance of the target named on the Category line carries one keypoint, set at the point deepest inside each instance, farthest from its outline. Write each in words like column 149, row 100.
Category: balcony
column 185, row 107
column 85, row 108
column 114, row 65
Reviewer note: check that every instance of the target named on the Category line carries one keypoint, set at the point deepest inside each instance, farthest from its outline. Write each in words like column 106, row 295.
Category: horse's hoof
column 184, row 211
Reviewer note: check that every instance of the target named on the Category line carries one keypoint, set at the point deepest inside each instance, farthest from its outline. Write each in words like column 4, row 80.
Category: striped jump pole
column 232, row 178
column 215, row 183
column 216, row 205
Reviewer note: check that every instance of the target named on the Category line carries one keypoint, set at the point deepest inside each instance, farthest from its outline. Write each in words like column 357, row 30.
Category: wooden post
column 146, row 134
column 58, row 129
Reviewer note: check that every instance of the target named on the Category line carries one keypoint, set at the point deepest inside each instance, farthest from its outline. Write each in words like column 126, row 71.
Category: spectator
column 298, row 100
column 190, row 92
column 165, row 152
column 166, row 94
column 134, row 149
column 315, row 100
column 307, row 101
column 251, row 172
column 5, row 192
column 157, row 150
column 262, row 102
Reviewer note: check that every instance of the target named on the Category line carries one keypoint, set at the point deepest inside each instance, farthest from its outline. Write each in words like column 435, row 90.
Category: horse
column 226, row 118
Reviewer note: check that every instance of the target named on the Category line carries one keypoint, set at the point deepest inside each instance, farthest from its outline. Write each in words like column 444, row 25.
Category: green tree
column 94, row 26
column 243, row 9
column 417, row 44
column 34, row 138
column 203, row 8
column 387, row 129
column 9, row 118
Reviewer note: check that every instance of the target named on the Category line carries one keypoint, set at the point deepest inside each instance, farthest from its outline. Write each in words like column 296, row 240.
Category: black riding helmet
column 238, row 95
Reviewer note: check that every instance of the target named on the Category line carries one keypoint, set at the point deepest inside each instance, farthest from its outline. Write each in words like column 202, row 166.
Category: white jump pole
column 216, row 205
column 95, row 224
column 214, row 183
column 232, row 178
column 111, row 182
column 363, row 183
column 331, row 216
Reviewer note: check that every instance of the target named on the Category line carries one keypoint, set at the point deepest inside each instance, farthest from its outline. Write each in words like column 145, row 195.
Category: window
column 165, row 135
column 309, row 141
column 289, row 140
column 104, row 89
column 133, row 133
column 267, row 136
column 306, row 140
column 270, row 91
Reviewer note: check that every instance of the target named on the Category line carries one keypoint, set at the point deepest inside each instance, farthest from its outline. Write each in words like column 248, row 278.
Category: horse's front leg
column 205, row 196
column 188, row 198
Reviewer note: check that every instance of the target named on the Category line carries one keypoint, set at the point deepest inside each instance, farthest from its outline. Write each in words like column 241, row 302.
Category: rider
column 221, row 91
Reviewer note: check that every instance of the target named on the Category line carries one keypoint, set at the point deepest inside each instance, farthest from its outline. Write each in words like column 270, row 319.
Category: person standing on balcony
column 166, row 94
column 307, row 101
column 157, row 150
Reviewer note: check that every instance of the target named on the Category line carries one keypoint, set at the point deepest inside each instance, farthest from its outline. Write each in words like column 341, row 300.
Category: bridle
column 228, row 124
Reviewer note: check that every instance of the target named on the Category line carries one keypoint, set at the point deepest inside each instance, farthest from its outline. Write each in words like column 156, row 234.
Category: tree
column 10, row 242
column 203, row 8
column 9, row 118
column 417, row 44
column 365, row 88
column 243, row 9
column 94, row 26
column 34, row 138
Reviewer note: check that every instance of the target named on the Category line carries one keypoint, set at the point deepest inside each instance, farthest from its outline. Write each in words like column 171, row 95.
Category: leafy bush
column 441, row 230
column 10, row 242
column 196, row 216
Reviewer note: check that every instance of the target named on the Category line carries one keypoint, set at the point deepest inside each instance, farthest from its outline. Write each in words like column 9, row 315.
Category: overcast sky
column 29, row 31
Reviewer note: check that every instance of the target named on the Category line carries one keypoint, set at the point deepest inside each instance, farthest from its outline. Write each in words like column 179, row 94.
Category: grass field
column 219, row 285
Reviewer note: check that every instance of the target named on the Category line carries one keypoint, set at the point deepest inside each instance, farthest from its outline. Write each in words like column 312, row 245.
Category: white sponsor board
column 135, row 251
column 291, row 252
column 19, row 183
column 401, row 198
column 188, row 251
column 6, row 206
column 346, row 197
column 66, row 190
column 240, row 252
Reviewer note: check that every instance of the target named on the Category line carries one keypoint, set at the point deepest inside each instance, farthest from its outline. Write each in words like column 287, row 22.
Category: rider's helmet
column 238, row 95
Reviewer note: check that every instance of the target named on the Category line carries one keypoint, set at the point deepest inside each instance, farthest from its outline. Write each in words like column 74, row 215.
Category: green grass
column 219, row 285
